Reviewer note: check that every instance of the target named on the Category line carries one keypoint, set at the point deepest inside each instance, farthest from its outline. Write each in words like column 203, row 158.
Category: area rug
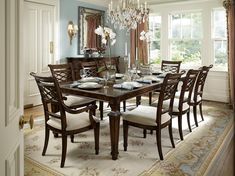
column 190, row 157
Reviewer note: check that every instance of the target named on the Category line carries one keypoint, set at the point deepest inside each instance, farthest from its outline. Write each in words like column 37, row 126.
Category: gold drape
column 230, row 7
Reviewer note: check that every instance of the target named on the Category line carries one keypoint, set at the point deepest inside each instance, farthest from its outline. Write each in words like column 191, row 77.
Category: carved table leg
column 114, row 122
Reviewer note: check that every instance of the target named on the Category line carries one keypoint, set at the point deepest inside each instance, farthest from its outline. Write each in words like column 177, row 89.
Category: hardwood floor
column 222, row 166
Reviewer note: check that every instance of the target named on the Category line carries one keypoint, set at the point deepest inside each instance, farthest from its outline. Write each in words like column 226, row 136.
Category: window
column 219, row 39
column 185, row 36
column 155, row 28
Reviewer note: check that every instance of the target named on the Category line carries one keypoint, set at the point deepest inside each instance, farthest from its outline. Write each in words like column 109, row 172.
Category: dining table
column 114, row 96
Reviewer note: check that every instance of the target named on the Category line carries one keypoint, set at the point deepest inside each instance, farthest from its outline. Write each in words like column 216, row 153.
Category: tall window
column 219, row 38
column 185, row 36
column 155, row 46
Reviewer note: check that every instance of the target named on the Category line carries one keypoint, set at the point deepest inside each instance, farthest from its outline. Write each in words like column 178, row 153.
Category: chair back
column 90, row 69
column 50, row 93
column 187, row 87
column 167, row 94
column 200, row 82
column 62, row 72
column 170, row 66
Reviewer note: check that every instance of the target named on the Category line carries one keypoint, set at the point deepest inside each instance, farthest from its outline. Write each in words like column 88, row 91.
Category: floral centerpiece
column 108, row 38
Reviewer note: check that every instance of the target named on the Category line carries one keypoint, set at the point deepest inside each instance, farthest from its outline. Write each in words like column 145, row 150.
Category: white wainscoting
column 217, row 87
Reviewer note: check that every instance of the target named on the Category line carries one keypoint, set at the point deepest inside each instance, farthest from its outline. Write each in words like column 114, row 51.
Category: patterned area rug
column 190, row 157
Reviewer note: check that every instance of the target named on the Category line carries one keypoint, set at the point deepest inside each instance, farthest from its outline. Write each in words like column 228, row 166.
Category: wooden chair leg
column 56, row 135
column 150, row 97
column 97, row 135
column 171, row 135
column 195, row 115
column 101, row 109
column 138, row 100
column 159, row 143
column 180, row 127
column 124, row 106
column 145, row 133
column 47, row 134
column 188, row 119
column 64, row 150
column 200, row 108
column 125, row 135
column 72, row 138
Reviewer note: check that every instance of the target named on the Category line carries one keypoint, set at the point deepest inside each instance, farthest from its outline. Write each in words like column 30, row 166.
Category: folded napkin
column 128, row 85
column 148, row 79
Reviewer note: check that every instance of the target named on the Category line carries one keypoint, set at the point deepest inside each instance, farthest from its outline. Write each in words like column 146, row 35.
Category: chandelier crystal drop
column 127, row 14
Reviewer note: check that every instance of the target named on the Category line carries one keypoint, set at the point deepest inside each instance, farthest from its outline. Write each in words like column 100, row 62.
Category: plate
column 133, row 84
column 90, row 79
column 89, row 85
column 119, row 75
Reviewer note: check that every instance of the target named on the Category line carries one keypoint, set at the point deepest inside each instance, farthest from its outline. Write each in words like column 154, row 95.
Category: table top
column 111, row 93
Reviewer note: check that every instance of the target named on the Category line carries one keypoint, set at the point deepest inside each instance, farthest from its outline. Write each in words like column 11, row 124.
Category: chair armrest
column 76, row 111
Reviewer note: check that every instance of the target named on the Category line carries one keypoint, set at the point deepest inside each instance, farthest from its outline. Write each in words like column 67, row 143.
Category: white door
column 11, row 94
column 39, row 39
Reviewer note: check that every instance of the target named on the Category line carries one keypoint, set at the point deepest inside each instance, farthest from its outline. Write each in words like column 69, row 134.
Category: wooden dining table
column 113, row 96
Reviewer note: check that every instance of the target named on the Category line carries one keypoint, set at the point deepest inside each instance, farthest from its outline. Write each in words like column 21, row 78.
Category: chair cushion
column 199, row 98
column 176, row 105
column 76, row 100
column 145, row 115
column 74, row 121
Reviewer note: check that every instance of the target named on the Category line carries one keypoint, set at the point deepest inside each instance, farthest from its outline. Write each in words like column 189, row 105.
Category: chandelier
column 127, row 13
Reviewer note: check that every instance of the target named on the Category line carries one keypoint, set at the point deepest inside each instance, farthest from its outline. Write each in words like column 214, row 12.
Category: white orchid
column 146, row 36
column 106, row 34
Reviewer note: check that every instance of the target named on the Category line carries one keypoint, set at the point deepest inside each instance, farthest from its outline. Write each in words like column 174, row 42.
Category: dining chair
column 181, row 104
column 64, row 73
column 197, row 94
column 67, row 121
column 154, row 118
column 168, row 67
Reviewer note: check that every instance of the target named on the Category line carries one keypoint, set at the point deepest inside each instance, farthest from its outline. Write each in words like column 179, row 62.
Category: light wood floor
column 222, row 167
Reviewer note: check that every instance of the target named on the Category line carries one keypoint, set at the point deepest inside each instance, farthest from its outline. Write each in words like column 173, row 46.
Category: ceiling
column 106, row 2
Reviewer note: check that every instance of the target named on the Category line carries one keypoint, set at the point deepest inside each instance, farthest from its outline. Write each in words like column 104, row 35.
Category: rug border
column 208, row 161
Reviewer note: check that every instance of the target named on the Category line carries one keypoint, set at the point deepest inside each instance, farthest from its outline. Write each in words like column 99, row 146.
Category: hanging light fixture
column 127, row 14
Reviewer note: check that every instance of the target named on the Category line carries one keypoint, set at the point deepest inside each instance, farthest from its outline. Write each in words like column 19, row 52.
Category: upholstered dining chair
column 64, row 73
column 154, row 118
column 67, row 121
column 197, row 94
column 167, row 66
column 181, row 104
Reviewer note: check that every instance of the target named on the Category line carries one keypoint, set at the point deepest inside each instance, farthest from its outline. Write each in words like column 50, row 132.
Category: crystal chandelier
column 127, row 14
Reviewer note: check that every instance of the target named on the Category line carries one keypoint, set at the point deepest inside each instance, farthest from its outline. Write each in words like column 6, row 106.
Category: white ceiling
column 106, row 2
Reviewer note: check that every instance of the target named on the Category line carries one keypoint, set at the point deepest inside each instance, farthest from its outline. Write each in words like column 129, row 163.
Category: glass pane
column 220, row 23
column 186, row 25
column 155, row 28
column 220, row 53
column 155, row 52
column 189, row 52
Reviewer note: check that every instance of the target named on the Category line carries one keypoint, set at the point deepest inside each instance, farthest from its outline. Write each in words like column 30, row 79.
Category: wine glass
column 106, row 78
column 82, row 73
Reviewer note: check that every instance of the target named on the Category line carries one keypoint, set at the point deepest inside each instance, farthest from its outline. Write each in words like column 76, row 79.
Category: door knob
column 23, row 121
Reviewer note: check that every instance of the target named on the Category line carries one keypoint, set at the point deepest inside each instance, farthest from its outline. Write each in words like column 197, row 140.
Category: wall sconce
column 72, row 31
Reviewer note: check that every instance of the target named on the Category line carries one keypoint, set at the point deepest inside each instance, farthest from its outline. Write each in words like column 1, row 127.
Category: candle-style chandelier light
column 127, row 14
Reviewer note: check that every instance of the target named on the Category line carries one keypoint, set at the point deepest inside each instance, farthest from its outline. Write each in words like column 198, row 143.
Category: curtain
column 93, row 21
column 138, row 46
column 229, row 5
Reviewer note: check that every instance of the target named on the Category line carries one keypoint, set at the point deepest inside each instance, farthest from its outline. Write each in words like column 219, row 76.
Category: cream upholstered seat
column 73, row 121
column 145, row 115
column 72, row 101
column 154, row 118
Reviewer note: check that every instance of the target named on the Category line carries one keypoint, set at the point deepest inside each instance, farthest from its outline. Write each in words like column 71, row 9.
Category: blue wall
column 69, row 12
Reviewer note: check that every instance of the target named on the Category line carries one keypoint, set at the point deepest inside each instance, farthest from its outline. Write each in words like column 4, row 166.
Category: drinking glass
column 106, row 78
column 82, row 73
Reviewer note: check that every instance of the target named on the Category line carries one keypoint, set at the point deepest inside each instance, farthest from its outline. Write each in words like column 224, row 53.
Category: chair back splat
column 167, row 93
column 170, row 66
